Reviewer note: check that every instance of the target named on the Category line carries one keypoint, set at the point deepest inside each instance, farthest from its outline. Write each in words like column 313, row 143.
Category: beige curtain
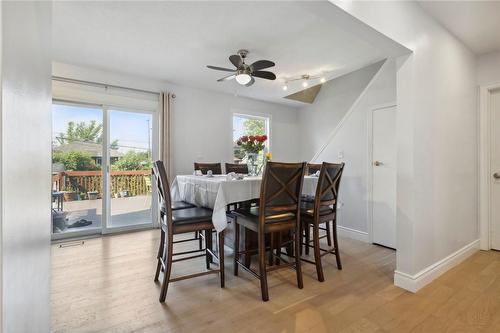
column 164, row 118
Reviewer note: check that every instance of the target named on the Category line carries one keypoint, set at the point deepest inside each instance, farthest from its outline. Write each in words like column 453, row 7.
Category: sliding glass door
column 101, row 174
column 77, row 169
column 131, row 160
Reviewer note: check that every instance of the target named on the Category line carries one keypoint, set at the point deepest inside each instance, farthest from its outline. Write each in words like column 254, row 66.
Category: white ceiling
column 174, row 41
column 475, row 23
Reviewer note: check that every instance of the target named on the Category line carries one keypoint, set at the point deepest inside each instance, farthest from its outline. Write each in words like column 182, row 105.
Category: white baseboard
column 353, row 233
column 416, row 282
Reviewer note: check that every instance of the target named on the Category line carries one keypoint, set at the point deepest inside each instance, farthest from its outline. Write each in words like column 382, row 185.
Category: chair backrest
column 164, row 200
column 237, row 168
column 313, row 168
column 204, row 167
column 328, row 185
column 280, row 191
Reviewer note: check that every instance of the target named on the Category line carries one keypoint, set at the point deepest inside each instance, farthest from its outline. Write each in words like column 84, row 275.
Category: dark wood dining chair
column 237, row 168
column 323, row 210
column 240, row 168
column 312, row 168
column 176, row 205
column 216, row 170
column 204, row 167
column 278, row 212
column 173, row 222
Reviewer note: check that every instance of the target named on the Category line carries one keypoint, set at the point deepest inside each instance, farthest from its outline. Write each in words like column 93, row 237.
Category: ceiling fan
column 244, row 74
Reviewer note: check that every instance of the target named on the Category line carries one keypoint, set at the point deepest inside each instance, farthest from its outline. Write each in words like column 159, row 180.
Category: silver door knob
column 377, row 163
column 496, row 175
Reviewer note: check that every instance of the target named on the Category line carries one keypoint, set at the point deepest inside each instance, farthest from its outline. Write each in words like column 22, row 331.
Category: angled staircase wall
column 335, row 129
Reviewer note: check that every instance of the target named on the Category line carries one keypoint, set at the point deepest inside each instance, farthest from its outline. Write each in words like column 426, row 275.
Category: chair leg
column 298, row 268
column 262, row 268
column 328, row 234
column 167, row 255
column 160, row 253
column 302, row 235
column 271, row 249
column 307, row 230
column 317, row 254
column 236, row 247
column 278, row 249
column 290, row 246
column 208, row 245
column 248, row 260
column 336, row 244
column 248, row 256
column 221, row 258
column 197, row 234
column 209, row 237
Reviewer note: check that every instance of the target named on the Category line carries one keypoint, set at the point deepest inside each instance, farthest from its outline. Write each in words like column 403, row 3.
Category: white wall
column 202, row 127
column 378, row 86
column 202, row 120
column 437, row 139
column 1, row 186
column 336, row 97
column 26, row 166
column 488, row 68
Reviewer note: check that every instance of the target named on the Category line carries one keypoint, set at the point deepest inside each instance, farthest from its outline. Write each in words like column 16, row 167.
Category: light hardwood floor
column 106, row 285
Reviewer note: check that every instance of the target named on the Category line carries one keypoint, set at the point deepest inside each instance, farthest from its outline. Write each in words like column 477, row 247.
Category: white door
column 495, row 169
column 384, row 176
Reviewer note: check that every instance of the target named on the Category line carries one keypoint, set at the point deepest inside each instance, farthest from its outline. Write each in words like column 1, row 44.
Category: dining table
column 218, row 191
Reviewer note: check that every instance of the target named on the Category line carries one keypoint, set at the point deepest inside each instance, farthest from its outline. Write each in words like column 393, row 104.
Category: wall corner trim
column 416, row 282
column 353, row 234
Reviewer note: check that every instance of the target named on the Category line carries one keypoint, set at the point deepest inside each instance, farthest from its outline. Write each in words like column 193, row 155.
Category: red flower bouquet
column 252, row 144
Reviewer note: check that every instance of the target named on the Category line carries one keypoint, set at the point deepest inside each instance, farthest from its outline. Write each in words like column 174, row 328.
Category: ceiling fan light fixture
column 285, row 87
column 305, row 84
column 245, row 74
column 322, row 80
column 243, row 78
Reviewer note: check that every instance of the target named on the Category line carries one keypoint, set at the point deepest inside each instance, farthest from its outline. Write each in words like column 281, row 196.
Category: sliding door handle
column 496, row 175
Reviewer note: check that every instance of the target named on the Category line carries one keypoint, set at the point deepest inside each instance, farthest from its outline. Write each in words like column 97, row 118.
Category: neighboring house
column 93, row 149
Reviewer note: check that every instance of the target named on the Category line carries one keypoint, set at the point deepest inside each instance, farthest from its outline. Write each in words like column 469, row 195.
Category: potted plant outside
column 69, row 194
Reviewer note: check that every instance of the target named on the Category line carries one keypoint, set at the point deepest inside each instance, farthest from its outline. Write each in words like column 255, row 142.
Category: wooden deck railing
column 136, row 182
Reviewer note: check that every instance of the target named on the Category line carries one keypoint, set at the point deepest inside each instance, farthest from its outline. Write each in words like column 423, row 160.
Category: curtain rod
column 103, row 85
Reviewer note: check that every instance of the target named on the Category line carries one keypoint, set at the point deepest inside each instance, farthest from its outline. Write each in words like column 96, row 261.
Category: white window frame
column 106, row 208
column 261, row 116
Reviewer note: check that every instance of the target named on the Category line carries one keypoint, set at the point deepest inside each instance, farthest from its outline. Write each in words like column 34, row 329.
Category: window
column 248, row 125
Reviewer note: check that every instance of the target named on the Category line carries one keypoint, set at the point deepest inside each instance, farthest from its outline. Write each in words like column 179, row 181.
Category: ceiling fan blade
column 252, row 81
column 261, row 64
column 225, row 78
column 220, row 68
column 264, row 75
column 236, row 60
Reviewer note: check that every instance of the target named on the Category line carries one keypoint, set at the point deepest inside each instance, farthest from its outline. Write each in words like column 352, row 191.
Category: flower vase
column 252, row 163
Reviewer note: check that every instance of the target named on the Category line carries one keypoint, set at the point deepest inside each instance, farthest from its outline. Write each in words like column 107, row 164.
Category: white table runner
column 217, row 192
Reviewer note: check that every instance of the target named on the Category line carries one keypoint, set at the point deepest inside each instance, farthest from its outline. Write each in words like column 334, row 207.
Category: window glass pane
column 131, row 162
column 245, row 125
column 77, row 185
